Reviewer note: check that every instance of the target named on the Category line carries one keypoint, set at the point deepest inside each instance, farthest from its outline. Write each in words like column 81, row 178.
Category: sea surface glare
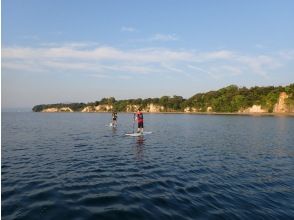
column 73, row 166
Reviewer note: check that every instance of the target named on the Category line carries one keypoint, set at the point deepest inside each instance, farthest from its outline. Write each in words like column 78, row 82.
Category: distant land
column 231, row 99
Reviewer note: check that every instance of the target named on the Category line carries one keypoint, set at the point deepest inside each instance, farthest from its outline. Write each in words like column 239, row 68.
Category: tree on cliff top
column 228, row 99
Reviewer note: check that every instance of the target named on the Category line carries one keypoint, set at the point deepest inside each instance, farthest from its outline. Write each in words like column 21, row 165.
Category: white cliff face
column 98, row 108
column 132, row 108
column 281, row 106
column 209, row 109
column 254, row 109
column 50, row 110
column 88, row 109
column 105, row 108
column 64, row 109
column 154, row 108
column 187, row 109
column 190, row 109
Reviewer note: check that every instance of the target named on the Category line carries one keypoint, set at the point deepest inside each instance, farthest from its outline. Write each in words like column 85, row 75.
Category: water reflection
column 114, row 130
column 139, row 148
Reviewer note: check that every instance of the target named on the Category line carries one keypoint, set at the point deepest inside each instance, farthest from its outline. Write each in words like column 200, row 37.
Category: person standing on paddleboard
column 114, row 119
column 140, row 120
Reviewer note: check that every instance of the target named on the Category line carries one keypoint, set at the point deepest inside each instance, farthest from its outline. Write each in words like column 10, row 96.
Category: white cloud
column 171, row 68
column 220, row 54
column 201, row 70
column 158, row 37
column 164, row 37
column 90, row 58
column 287, row 54
column 127, row 29
column 259, row 64
column 232, row 70
column 98, row 54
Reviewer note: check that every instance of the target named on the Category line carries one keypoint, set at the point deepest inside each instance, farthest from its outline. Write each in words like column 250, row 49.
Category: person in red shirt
column 140, row 120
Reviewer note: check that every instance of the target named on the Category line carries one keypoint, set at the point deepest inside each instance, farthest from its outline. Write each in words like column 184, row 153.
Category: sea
column 75, row 166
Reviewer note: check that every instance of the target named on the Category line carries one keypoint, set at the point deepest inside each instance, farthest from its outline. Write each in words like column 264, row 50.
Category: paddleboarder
column 140, row 120
column 114, row 119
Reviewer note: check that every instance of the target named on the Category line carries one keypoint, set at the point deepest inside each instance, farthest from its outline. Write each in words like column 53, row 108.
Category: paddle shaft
column 134, row 123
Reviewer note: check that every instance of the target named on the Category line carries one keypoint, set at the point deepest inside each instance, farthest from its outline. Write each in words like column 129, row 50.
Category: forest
column 229, row 99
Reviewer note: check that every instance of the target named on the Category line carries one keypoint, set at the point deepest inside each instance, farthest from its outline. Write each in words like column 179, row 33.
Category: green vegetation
column 76, row 107
column 228, row 99
column 232, row 98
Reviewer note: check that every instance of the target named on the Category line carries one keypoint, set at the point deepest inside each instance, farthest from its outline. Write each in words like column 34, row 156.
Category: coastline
column 222, row 113
column 225, row 113
column 200, row 113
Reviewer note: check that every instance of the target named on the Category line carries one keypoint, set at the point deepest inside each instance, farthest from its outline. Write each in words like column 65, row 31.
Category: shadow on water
column 139, row 148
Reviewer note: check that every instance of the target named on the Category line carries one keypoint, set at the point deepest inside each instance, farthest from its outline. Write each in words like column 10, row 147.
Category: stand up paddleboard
column 139, row 134
column 111, row 125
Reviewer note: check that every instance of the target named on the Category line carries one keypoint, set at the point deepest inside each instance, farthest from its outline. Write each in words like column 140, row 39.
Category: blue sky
column 79, row 51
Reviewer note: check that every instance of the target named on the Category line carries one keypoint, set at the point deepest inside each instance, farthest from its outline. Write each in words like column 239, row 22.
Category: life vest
column 140, row 117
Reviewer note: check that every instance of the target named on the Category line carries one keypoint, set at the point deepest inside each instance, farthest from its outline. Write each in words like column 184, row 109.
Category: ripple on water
column 191, row 167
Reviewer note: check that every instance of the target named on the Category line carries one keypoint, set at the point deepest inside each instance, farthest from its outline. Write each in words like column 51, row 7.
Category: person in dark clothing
column 114, row 119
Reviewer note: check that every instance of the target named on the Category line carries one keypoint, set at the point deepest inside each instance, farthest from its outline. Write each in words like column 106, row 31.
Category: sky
column 81, row 51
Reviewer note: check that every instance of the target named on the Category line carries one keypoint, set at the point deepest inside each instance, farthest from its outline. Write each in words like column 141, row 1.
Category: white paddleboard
column 111, row 125
column 139, row 134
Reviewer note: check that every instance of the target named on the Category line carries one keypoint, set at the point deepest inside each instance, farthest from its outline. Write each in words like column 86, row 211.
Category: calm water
column 71, row 166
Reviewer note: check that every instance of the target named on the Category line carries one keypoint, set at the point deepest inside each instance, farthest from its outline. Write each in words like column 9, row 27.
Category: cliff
column 230, row 99
column 63, row 109
column 284, row 105
column 152, row 108
column 253, row 109
column 98, row 108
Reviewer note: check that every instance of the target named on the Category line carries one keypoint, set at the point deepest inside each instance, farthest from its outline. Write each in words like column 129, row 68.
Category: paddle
column 134, row 123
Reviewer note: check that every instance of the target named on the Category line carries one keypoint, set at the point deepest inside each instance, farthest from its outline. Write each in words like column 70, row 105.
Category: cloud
column 171, row 68
column 93, row 58
column 220, row 54
column 164, row 37
column 127, row 29
column 231, row 70
column 287, row 54
column 158, row 37
column 98, row 54
column 259, row 64
column 201, row 70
